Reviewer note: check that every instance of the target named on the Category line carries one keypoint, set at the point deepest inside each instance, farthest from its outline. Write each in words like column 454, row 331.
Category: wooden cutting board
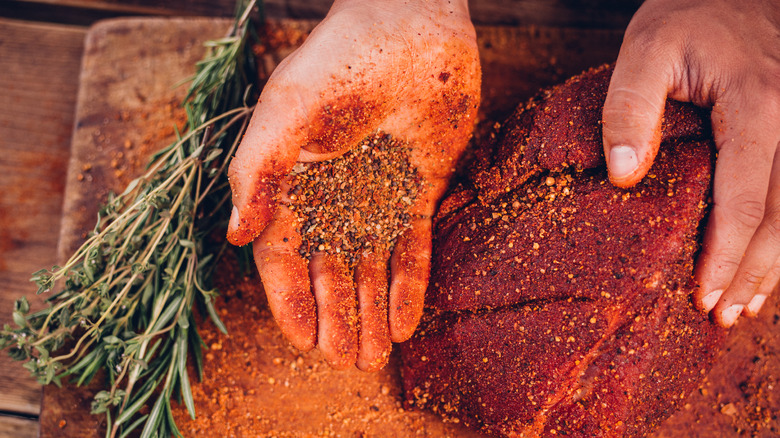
column 127, row 106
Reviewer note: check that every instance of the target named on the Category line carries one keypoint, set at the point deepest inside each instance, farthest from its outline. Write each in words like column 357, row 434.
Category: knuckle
column 746, row 212
column 273, row 253
column 642, row 37
column 772, row 224
column 769, row 107
column 645, row 108
column 751, row 279
column 771, row 280
column 758, row 89
column 773, row 101
column 771, row 83
column 263, row 252
column 727, row 261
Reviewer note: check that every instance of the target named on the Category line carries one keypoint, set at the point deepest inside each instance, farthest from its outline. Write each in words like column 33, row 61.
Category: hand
column 410, row 69
column 724, row 55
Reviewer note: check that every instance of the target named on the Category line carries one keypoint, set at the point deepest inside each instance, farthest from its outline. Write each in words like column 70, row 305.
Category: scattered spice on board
column 358, row 202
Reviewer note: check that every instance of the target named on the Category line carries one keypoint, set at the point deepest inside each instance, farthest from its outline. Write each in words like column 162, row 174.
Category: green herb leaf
column 126, row 298
column 19, row 319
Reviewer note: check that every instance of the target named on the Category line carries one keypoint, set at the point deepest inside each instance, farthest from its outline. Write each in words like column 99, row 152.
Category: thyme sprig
column 125, row 308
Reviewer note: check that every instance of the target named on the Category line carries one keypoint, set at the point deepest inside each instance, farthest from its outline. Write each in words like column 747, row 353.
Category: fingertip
column 406, row 309
column 410, row 265
column 337, row 317
column 338, row 362
column 755, row 305
column 235, row 220
column 622, row 161
column 372, row 291
column 728, row 317
column 708, row 302
column 285, row 278
column 246, row 225
column 302, row 341
column 405, row 325
column 632, row 117
column 623, row 166
column 374, row 361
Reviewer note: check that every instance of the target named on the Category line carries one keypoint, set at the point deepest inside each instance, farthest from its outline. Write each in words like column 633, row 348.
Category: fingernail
column 711, row 299
column 730, row 315
column 622, row 161
column 756, row 303
column 234, row 219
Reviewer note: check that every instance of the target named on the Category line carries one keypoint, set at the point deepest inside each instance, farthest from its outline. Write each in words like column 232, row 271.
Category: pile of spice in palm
column 358, row 202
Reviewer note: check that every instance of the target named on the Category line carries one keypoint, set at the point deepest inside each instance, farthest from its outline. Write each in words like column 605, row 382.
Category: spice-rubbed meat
column 559, row 304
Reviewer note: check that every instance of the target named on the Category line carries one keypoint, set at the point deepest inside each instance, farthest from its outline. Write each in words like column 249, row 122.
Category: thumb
column 632, row 117
column 267, row 153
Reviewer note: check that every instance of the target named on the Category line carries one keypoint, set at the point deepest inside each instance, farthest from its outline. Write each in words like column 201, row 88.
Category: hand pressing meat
column 724, row 55
column 559, row 304
column 409, row 69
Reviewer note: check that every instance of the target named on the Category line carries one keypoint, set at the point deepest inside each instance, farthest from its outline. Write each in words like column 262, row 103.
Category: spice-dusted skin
column 260, row 207
column 291, row 288
column 411, row 71
column 559, row 304
column 350, row 212
column 328, row 127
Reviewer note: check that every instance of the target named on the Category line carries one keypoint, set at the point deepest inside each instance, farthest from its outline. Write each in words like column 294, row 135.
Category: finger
column 410, row 269
column 285, row 277
column 768, row 287
column 761, row 255
column 633, row 111
column 336, row 309
column 265, row 155
column 746, row 151
column 771, row 283
column 371, row 279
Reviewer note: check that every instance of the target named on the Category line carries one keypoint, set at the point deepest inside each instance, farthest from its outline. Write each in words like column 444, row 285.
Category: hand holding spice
column 409, row 70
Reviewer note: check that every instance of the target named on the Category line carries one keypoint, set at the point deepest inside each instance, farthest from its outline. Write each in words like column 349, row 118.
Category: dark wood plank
column 224, row 8
column 40, row 65
column 18, row 427
column 592, row 14
column 610, row 14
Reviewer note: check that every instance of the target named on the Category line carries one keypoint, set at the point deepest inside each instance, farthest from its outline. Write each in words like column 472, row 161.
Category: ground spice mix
column 358, row 202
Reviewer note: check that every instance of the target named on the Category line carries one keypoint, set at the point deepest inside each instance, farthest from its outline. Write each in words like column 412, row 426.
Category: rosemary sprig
column 126, row 299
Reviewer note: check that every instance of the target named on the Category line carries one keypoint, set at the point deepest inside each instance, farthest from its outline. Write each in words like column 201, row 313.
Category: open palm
column 411, row 72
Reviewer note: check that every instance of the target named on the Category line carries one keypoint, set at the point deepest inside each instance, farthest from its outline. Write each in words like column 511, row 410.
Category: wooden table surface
column 41, row 44
column 41, row 47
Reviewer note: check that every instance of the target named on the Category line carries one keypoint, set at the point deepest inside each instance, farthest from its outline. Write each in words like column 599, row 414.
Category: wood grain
column 590, row 14
column 96, row 8
column 40, row 67
column 593, row 14
column 18, row 427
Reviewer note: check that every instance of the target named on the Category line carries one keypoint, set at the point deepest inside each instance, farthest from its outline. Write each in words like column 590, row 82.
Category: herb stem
column 126, row 297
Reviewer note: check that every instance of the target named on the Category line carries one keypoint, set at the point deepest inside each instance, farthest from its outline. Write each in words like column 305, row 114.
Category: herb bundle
column 125, row 306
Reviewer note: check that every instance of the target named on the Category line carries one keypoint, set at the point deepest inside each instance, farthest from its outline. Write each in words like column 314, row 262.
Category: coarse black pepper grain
column 359, row 202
